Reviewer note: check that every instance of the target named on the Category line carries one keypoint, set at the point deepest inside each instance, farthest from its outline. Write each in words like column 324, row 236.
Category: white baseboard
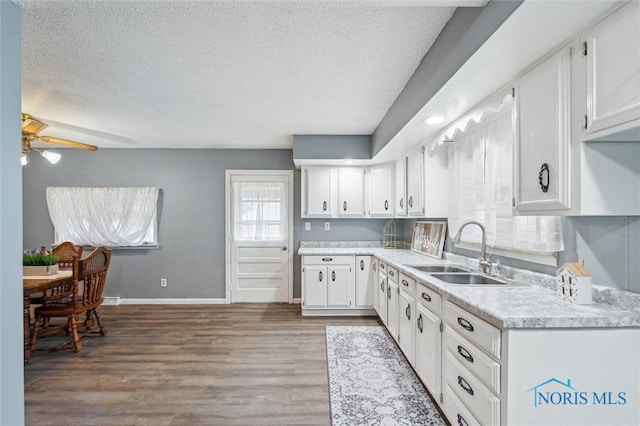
column 297, row 301
column 220, row 301
column 113, row 301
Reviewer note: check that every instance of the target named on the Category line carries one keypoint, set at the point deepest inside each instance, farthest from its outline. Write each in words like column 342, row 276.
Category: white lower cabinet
column 392, row 308
column 382, row 298
column 406, row 324
column 331, row 286
column 428, row 357
column 365, row 276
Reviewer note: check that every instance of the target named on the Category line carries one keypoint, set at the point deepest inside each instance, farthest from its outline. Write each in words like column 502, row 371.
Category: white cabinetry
column 415, row 182
column 407, row 317
column 401, row 187
column 612, row 49
column 428, row 340
column 543, row 140
column 319, row 191
column 381, row 186
column 365, row 277
column 351, row 192
column 382, row 290
column 331, row 286
column 392, row 302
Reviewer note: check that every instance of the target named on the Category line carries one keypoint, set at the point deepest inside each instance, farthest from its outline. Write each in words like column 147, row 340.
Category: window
column 110, row 217
column 259, row 211
column 480, row 161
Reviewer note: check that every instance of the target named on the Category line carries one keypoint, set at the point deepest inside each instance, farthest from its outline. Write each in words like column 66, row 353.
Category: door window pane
column 259, row 211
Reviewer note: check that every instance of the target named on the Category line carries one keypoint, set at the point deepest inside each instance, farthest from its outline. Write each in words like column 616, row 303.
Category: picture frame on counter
column 428, row 237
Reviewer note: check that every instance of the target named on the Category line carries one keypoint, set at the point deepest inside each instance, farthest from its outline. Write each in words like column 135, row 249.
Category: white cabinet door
column 613, row 70
column 315, row 286
column 364, row 282
column 382, row 289
column 351, row 192
column 375, row 291
column 392, row 309
column 339, row 286
column 381, row 188
column 542, row 117
column 406, row 325
column 428, row 360
column 401, row 187
column 415, row 182
column 319, row 186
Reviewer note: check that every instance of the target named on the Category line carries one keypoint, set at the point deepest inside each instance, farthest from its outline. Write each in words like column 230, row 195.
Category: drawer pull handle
column 407, row 312
column 420, row 323
column 426, row 297
column 465, row 353
column 324, row 206
column 362, row 265
column 392, row 273
column 333, row 276
column 320, row 276
column 344, row 206
column 405, row 283
column 462, row 421
column 543, row 177
column 464, row 385
column 465, row 324
column 327, row 259
column 386, row 204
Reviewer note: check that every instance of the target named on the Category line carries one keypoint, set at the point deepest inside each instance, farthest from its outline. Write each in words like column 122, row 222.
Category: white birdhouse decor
column 574, row 283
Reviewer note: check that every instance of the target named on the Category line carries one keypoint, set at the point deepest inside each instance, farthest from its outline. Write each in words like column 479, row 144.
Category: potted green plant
column 39, row 262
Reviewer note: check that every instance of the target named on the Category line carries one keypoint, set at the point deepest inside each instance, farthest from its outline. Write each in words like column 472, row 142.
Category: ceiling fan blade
column 65, row 142
column 32, row 126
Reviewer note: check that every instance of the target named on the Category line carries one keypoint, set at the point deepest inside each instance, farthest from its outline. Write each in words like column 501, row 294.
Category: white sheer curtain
column 480, row 162
column 259, row 211
column 108, row 216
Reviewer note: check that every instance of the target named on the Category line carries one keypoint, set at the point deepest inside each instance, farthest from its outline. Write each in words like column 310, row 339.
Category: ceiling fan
column 30, row 129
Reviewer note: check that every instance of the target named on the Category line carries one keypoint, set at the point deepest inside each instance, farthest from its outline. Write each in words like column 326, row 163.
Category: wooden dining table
column 36, row 284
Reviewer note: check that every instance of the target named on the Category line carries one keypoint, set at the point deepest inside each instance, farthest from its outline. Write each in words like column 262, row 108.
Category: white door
column 260, row 213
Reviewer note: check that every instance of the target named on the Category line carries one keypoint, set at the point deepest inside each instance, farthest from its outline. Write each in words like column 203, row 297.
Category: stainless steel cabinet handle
column 465, row 353
column 324, row 206
column 405, row 283
column 411, row 201
column 320, row 276
column 407, row 312
column 344, row 206
column 420, row 323
column 426, row 297
column 333, row 276
column 382, row 285
column 401, row 203
column 327, row 259
column 362, row 265
column 386, row 204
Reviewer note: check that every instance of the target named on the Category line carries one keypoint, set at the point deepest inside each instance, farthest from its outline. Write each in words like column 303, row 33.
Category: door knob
column 285, row 248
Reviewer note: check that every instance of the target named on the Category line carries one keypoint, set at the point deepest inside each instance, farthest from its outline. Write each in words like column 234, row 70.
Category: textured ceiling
column 220, row 74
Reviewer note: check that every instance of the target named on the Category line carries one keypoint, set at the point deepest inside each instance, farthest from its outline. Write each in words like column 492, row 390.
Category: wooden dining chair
column 94, row 273
column 65, row 253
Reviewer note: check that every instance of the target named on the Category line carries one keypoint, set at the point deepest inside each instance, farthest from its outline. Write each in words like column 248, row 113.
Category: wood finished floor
column 248, row 364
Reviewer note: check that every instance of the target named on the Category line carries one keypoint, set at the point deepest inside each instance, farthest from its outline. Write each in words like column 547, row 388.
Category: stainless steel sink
column 468, row 279
column 438, row 268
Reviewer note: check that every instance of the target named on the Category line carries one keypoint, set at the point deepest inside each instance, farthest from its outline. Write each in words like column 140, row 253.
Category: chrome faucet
column 484, row 264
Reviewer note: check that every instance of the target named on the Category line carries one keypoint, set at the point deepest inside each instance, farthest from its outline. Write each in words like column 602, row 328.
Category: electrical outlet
column 163, row 282
column 327, row 226
column 307, row 226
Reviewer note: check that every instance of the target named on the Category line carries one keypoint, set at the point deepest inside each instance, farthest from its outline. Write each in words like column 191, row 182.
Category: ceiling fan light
column 24, row 159
column 52, row 157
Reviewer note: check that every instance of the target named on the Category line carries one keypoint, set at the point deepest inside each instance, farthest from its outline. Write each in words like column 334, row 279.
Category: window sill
column 541, row 258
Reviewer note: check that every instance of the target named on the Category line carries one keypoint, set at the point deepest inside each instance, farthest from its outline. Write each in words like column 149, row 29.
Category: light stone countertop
column 520, row 306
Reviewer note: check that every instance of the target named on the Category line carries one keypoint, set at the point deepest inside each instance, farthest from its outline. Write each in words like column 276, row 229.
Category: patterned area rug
column 371, row 383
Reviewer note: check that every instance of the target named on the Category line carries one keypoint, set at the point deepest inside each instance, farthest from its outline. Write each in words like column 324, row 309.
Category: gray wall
column 331, row 147
column 191, row 219
column 610, row 247
column 11, row 337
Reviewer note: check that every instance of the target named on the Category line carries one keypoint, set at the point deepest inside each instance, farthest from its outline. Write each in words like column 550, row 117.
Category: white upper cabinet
column 401, row 187
column 415, row 182
column 542, row 127
column 381, row 186
column 318, row 186
column 612, row 49
column 351, row 192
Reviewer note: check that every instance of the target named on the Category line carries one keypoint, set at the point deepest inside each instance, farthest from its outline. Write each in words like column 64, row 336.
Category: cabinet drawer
column 473, row 328
column 407, row 284
column 486, row 369
column 328, row 260
column 484, row 405
column 392, row 273
column 455, row 410
column 429, row 298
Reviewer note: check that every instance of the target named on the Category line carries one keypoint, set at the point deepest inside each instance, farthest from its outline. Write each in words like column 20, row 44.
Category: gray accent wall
column 466, row 31
column 191, row 216
column 11, row 335
column 610, row 247
column 331, row 147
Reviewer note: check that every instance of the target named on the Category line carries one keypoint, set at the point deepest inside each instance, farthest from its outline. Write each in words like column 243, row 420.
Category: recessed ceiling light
column 435, row 119
column 348, row 162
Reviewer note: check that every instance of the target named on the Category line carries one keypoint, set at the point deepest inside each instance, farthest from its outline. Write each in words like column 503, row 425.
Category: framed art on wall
column 428, row 237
